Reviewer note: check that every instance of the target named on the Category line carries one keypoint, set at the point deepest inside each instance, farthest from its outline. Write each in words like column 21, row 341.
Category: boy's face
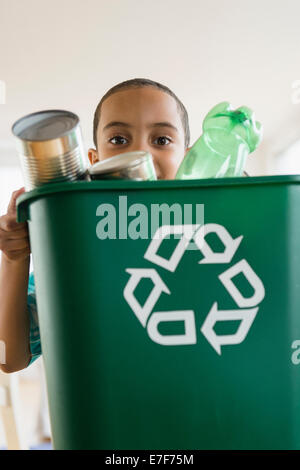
column 151, row 122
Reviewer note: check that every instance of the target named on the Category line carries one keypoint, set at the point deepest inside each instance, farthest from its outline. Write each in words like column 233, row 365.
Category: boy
column 137, row 114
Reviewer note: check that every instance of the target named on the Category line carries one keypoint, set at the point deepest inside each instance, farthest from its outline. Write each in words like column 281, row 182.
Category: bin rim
column 107, row 185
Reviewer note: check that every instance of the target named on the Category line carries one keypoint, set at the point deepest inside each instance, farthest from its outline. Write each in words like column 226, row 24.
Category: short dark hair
column 139, row 83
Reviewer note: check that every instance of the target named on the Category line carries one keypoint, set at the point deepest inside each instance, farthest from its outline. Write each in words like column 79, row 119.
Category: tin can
column 50, row 147
column 136, row 165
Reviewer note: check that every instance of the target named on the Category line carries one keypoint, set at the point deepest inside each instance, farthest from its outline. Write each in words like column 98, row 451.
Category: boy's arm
column 14, row 275
column 14, row 318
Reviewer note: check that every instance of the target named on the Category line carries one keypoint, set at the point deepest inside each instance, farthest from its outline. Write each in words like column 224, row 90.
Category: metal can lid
column 119, row 162
column 45, row 125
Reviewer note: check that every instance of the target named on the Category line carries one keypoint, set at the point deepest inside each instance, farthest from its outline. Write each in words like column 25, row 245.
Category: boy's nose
column 141, row 146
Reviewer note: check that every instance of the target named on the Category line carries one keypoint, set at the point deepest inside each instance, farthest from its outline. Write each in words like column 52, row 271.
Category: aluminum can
column 50, row 147
column 136, row 165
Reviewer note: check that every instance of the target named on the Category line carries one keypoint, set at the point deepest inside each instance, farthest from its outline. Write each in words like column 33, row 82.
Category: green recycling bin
column 185, row 338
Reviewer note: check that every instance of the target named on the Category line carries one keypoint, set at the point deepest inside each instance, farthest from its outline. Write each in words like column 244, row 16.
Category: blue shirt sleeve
column 34, row 335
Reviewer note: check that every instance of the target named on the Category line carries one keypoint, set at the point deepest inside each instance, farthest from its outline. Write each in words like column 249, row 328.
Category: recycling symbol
column 247, row 307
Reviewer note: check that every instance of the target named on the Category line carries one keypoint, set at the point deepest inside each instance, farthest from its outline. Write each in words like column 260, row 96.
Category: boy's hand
column 14, row 237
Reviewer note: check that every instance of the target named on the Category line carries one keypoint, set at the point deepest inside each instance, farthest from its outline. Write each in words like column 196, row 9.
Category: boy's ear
column 93, row 156
column 186, row 151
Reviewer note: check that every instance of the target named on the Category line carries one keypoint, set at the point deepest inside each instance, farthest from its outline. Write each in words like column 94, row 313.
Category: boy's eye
column 163, row 139
column 118, row 137
column 120, row 140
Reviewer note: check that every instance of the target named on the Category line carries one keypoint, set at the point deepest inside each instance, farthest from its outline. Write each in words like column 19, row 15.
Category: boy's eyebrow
column 125, row 124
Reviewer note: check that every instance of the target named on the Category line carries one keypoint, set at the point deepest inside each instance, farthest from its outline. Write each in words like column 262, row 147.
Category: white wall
column 10, row 179
column 68, row 53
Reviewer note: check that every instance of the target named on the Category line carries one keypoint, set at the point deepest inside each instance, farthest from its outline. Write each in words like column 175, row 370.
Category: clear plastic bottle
column 228, row 138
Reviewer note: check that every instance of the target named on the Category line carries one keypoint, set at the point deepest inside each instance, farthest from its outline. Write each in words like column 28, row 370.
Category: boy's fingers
column 12, row 203
column 15, row 234
column 12, row 245
column 18, row 254
column 9, row 223
column 19, row 234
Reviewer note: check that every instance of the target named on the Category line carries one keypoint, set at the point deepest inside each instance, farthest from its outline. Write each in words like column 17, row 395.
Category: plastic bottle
column 228, row 138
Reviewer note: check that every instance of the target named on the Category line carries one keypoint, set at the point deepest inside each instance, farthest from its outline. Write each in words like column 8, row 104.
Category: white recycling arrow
column 189, row 336
column 143, row 312
column 210, row 257
column 187, row 231
column 246, row 316
column 243, row 267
